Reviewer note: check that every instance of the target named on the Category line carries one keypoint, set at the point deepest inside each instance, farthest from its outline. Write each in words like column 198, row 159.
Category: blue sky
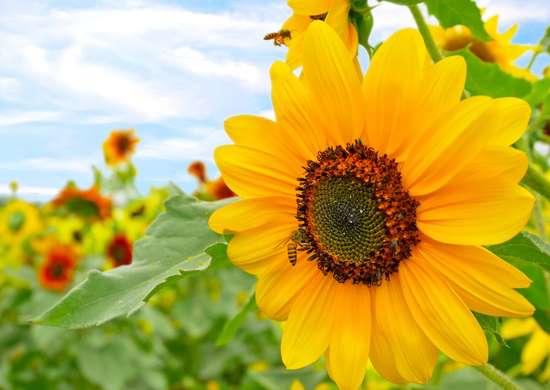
column 72, row 70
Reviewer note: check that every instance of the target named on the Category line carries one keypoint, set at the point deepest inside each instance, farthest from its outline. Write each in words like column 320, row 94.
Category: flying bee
column 278, row 37
column 297, row 240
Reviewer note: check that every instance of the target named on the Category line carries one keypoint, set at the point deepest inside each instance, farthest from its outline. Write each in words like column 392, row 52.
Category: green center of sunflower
column 356, row 220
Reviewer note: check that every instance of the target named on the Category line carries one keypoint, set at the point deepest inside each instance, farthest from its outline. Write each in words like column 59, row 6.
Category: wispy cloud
column 30, row 191
column 18, row 118
column 50, row 164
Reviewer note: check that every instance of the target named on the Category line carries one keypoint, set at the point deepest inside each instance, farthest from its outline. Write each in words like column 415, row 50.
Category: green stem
column 537, row 182
column 498, row 377
column 532, row 60
column 539, row 217
column 425, row 32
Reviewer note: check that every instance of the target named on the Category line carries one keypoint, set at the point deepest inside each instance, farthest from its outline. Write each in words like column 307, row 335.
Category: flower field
column 387, row 226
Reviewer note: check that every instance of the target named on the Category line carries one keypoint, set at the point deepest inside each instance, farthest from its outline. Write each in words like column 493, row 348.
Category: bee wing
column 282, row 243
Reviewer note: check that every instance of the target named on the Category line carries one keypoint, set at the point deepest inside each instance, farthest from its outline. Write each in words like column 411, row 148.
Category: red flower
column 119, row 250
column 85, row 203
column 57, row 270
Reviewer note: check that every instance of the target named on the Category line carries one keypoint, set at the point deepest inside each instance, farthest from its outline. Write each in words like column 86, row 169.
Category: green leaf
column 231, row 327
column 363, row 21
column 405, row 2
column 538, row 93
column 525, row 246
column 531, row 255
column 489, row 79
column 491, row 326
column 173, row 244
column 459, row 12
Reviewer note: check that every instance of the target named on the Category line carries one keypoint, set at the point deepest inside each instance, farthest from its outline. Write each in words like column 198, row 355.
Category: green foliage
column 231, row 327
column 531, row 255
column 459, row 12
column 363, row 22
column 173, row 244
column 405, row 2
column 539, row 92
column 489, row 79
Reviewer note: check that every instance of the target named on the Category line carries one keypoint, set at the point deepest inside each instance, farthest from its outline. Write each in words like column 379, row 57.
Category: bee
column 297, row 240
column 278, row 37
column 319, row 17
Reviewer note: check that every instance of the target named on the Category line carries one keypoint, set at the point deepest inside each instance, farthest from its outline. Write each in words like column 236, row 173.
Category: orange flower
column 208, row 189
column 58, row 268
column 119, row 146
column 119, row 250
column 85, row 203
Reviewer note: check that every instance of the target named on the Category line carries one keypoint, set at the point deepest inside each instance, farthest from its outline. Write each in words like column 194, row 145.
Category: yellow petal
column 253, row 173
column 512, row 118
column 413, row 355
column 251, row 213
column 391, row 94
column 440, row 90
column 451, row 144
column 516, row 328
column 495, row 212
column 262, row 248
column 480, row 290
column 297, row 25
column 348, row 353
column 335, row 85
column 276, row 291
column 534, row 352
column 263, row 134
column 307, row 331
column 442, row 315
column 310, row 7
column 295, row 112
column 338, row 19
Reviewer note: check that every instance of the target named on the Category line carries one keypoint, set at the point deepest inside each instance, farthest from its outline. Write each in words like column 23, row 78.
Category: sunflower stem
column 425, row 32
column 498, row 377
column 537, row 182
column 539, row 217
column 532, row 60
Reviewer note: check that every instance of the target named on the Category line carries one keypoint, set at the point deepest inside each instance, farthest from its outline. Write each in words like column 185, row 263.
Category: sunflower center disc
column 356, row 220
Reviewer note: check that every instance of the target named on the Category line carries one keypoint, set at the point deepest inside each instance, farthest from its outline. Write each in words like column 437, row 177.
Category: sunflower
column 18, row 220
column 535, row 350
column 357, row 213
column 119, row 250
column 56, row 272
column 119, row 146
column 333, row 12
column 84, row 203
column 208, row 189
column 500, row 50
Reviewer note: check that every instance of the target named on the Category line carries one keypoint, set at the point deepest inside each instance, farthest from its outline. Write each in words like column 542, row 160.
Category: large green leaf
column 174, row 244
column 525, row 246
column 489, row 79
column 531, row 255
column 405, row 2
column 231, row 327
column 459, row 12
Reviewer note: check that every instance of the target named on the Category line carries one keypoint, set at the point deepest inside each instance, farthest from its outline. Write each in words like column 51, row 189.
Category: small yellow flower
column 537, row 347
column 357, row 214
column 500, row 50
column 119, row 146
column 333, row 12
column 19, row 219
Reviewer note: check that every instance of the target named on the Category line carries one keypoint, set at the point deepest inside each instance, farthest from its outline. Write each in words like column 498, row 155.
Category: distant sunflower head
column 535, row 350
column 119, row 250
column 89, row 204
column 333, row 12
column 19, row 219
column 357, row 214
column 208, row 189
column 120, row 146
column 500, row 50
column 57, row 269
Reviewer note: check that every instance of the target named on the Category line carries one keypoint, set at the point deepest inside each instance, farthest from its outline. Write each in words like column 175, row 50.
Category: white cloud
column 19, row 118
column 198, row 63
column 30, row 191
column 50, row 164
column 182, row 148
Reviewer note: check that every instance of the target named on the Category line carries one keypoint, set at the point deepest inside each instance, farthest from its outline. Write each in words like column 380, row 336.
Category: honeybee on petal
column 297, row 240
column 278, row 37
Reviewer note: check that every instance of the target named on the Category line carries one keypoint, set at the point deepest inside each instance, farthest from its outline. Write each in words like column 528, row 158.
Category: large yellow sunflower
column 500, row 50
column 333, row 12
column 386, row 192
